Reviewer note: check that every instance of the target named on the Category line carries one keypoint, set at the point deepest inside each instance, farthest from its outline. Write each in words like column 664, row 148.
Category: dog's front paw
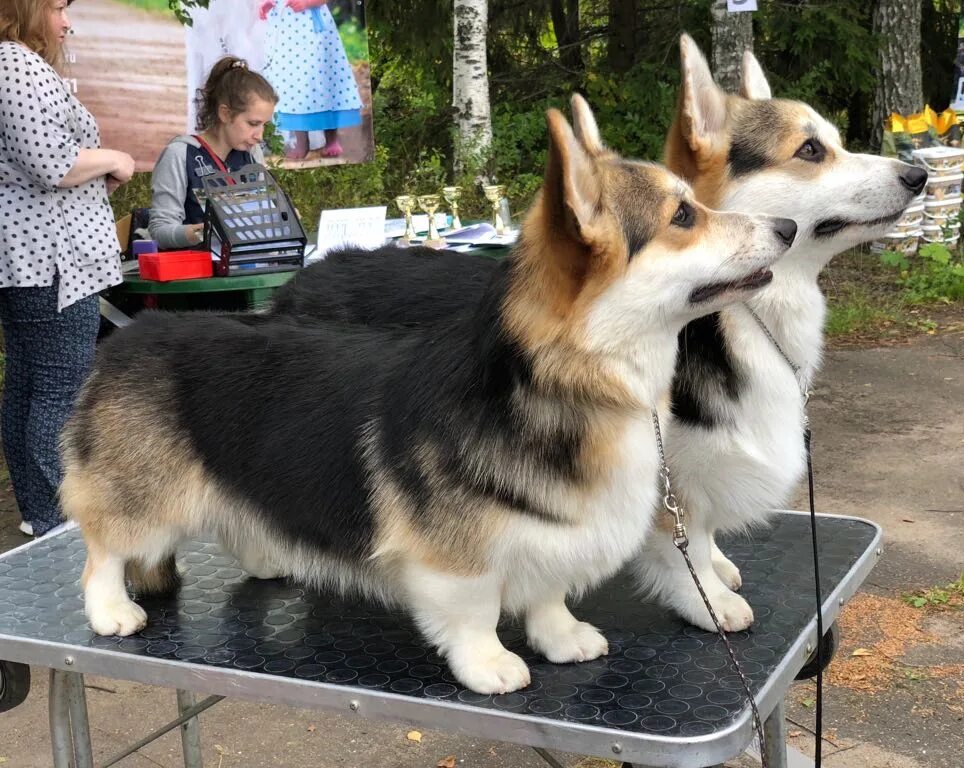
column 116, row 617
column 580, row 642
column 729, row 574
column 732, row 610
column 503, row 672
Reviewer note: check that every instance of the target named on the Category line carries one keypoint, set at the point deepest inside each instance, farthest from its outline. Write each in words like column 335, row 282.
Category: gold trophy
column 430, row 204
column 494, row 194
column 405, row 204
column 452, row 195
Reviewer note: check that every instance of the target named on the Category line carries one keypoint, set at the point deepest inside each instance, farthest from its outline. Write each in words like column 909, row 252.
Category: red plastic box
column 175, row 265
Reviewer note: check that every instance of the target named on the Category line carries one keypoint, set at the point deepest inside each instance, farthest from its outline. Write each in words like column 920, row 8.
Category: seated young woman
column 233, row 107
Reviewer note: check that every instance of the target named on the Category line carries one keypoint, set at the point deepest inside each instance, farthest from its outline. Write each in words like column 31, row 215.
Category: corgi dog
column 736, row 448
column 501, row 463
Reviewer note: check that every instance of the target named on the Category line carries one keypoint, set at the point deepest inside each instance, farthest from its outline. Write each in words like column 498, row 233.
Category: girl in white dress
column 306, row 63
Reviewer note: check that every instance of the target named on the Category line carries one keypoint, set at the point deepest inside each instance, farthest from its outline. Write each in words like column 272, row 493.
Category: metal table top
column 665, row 695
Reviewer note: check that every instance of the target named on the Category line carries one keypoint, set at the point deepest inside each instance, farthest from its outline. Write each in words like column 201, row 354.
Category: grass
column 157, row 6
column 949, row 595
column 855, row 311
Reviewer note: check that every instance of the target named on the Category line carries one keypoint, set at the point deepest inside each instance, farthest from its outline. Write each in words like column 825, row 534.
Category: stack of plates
column 942, row 197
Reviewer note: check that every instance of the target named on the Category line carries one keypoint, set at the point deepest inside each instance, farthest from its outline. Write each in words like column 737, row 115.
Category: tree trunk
column 899, row 88
column 732, row 34
column 621, row 50
column 565, row 24
column 470, row 82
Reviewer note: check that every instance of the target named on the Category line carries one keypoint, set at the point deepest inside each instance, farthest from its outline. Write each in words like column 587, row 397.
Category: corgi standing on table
column 306, row 62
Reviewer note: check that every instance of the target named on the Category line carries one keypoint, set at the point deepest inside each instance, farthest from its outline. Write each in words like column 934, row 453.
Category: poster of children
column 137, row 66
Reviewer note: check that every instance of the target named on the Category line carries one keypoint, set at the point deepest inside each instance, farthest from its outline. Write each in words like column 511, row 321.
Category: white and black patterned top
column 45, row 230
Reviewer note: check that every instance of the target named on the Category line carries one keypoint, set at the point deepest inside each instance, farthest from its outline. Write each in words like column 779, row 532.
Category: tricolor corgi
column 502, row 462
column 736, row 447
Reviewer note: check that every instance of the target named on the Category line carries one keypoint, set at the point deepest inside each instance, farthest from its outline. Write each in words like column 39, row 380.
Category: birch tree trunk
column 470, row 82
column 899, row 87
column 732, row 34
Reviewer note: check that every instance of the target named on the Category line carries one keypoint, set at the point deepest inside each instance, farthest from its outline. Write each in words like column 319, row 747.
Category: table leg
column 59, row 720
column 775, row 733
column 69, row 724
column 190, row 731
column 258, row 298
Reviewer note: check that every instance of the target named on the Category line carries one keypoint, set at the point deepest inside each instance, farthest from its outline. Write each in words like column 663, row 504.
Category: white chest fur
column 751, row 460
column 607, row 526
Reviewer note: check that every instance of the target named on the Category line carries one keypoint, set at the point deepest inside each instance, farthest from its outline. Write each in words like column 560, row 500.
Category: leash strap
column 681, row 541
column 805, row 393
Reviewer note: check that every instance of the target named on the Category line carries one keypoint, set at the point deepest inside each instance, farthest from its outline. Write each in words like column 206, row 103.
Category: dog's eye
column 684, row 216
column 811, row 150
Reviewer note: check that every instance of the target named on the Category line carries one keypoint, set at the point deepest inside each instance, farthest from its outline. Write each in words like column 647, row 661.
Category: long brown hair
column 25, row 22
column 231, row 83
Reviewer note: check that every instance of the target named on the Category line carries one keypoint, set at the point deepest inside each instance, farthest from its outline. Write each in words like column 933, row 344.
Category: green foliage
column 936, row 274
column 182, row 9
column 355, row 40
column 158, row 6
column 949, row 594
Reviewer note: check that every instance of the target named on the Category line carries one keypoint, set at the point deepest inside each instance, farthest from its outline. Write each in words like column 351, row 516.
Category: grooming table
column 666, row 695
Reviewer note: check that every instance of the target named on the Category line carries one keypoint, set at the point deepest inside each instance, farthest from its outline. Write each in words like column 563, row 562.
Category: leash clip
column 680, row 538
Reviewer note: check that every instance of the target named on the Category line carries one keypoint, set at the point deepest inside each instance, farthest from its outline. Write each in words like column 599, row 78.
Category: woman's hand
column 123, row 168
column 303, row 5
column 266, row 6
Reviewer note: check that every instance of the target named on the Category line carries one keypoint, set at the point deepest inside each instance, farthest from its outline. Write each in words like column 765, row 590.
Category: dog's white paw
column 729, row 574
column 503, row 672
column 732, row 610
column 117, row 617
column 581, row 642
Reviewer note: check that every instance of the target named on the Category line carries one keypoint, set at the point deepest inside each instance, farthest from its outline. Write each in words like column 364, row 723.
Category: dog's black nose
column 914, row 178
column 786, row 230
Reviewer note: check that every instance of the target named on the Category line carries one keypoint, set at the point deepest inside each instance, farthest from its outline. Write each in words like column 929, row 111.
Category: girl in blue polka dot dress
column 307, row 65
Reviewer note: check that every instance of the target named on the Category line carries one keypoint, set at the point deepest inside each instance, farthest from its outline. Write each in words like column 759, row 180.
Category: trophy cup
column 430, row 204
column 494, row 194
column 452, row 195
column 405, row 204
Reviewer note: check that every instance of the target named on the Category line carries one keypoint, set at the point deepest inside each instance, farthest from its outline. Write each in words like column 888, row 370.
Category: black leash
column 818, row 715
column 681, row 541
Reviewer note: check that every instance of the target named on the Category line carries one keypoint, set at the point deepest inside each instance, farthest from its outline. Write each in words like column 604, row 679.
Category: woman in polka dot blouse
column 58, row 248
column 306, row 63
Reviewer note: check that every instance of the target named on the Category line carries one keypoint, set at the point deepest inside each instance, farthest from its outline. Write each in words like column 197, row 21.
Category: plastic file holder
column 250, row 225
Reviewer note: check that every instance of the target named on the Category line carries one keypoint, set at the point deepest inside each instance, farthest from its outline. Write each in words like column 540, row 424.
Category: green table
column 238, row 292
column 235, row 293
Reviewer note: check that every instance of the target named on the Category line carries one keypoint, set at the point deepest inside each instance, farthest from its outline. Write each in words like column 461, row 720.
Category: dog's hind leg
column 253, row 558
column 161, row 578
column 559, row 636
column 459, row 614
column 729, row 574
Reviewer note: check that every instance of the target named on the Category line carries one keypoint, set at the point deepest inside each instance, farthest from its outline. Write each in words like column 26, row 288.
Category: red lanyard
column 214, row 156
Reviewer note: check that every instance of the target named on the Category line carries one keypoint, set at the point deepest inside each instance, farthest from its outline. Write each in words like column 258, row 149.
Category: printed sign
column 138, row 68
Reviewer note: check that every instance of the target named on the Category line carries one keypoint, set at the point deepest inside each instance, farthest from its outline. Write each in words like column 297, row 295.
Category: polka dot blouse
column 45, row 230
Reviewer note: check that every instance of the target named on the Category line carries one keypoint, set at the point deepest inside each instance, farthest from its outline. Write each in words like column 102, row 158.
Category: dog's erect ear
column 584, row 126
column 702, row 104
column 572, row 190
column 753, row 82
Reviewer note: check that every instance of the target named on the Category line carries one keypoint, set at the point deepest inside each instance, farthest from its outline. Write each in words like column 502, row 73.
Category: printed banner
column 137, row 68
column 736, row 6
